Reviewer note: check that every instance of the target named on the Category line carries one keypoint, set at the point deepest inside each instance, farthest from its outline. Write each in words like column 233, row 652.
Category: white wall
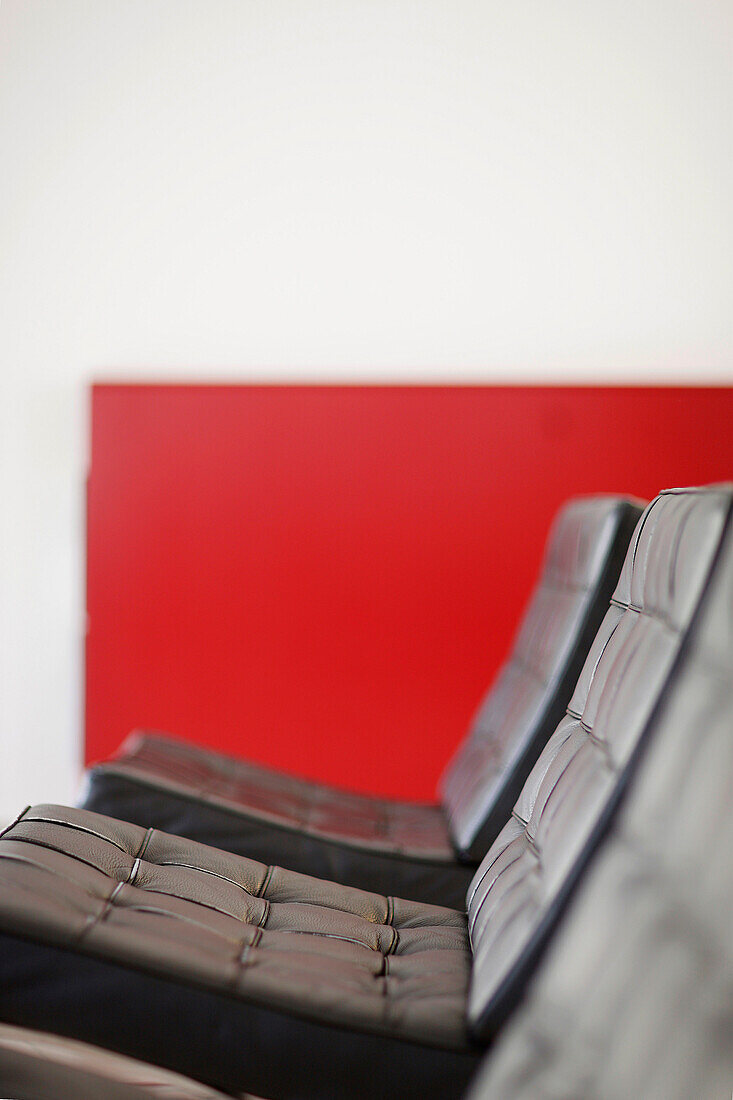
column 268, row 189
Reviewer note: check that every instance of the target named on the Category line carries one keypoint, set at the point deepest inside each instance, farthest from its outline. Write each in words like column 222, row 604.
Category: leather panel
column 442, row 882
column 221, row 1039
column 585, row 549
column 518, row 891
column 636, row 996
column 283, row 800
column 268, row 935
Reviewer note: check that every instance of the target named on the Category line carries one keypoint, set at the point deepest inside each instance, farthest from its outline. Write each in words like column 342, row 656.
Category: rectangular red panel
column 325, row 578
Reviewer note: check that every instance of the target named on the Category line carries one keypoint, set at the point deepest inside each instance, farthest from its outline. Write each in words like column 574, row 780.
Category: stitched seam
column 77, row 828
column 160, row 910
column 641, row 609
column 39, row 865
column 331, row 936
column 493, row 863
column 110, row 901
column 144, row 844
column 474, row 916
column 95, row 918
column 533, row 846
column 52, row 848
column 204, row 871
column 266, row 881
column 637, row 540
column 243, row 957
column 14, row 822
column 602, row 746
column 200, row 904
column 594, row 673
column 648, row 613
column 616, row 675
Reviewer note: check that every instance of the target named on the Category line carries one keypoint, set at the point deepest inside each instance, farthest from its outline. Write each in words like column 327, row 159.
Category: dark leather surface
column 585, row 551
column 35, row 1065
column 392, row 973
column 223, row 921
column 636, row 996
column 225, row 1041
column 527, row 874
column 245, row 808
column 285, row 800
column 378, row 843
column 440, row 881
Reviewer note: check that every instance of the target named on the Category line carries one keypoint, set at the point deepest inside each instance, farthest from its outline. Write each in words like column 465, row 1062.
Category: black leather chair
column 635, row 997
column 253, row 978
column 425, row 852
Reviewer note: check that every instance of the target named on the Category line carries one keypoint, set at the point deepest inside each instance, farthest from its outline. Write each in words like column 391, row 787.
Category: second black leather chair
column 424, row 852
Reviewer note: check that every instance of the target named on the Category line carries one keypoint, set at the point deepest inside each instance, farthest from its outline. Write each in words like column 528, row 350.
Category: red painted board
column 325, row 578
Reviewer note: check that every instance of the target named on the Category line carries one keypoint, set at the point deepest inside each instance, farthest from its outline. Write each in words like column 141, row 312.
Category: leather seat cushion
column 263, row 814
column 290, row 962
column 287, row 800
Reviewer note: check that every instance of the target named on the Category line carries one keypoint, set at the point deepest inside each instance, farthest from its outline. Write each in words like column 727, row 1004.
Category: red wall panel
column 326, row 578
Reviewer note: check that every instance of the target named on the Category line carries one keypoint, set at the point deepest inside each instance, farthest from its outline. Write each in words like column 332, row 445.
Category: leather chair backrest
column 522, row 885
column 636, row 995
column 583, row 558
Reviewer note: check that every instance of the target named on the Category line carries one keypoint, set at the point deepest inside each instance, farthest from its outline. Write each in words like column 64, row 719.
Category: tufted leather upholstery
column 510, row 727
column 386, row 846
column 222, row 920
column 263, row 935
column 286, row 800
column 382, row 844
column 526, row 876
column 34, row 1064
column 636, row 997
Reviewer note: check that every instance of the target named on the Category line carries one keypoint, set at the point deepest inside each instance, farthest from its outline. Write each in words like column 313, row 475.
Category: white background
column 266, row 189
